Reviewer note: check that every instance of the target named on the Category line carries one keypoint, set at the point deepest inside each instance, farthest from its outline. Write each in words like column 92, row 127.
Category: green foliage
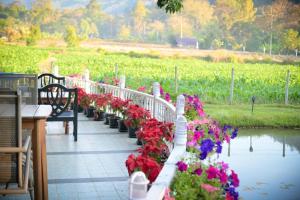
column 210, row 80
column 34, row 36
column 291, row 40
column 170, row 6
column 71, row 37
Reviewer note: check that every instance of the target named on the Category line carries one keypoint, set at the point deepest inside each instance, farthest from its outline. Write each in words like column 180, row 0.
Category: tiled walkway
column 92, row 168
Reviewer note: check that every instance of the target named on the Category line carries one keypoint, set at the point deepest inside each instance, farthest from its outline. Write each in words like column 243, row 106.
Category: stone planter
column 121, row 126
column 113, row 121
column 99, row 115
column 131, row 132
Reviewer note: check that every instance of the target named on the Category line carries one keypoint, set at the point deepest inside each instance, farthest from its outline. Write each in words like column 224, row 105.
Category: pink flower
column 235, row 179
column 167, row 195
column 142, row 89
column 223, row 177
column 191, row 143
column 198, row 171
column 224, row 165
column 198, row 135
column 209, row 188
column 167, row 97
column 211, row 172
column 227, row 138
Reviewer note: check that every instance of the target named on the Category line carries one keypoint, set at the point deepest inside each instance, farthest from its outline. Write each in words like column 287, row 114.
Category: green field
column 210, row 80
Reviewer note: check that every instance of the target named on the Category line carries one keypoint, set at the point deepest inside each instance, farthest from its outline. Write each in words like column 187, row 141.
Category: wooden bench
column 60, row 98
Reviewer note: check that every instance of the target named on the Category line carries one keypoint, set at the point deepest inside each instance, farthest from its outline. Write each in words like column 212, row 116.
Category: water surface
column 269, row 168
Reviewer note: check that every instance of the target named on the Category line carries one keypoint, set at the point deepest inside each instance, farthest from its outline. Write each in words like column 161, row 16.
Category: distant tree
column 87, row 29
column 124, row 32
column 157, row 27
column 42, row 12
column 93, row 10
column 200, row 12
column 34, row 36
column 180, row 25
column 139, row 15
column 290, row 40
column 71, row 37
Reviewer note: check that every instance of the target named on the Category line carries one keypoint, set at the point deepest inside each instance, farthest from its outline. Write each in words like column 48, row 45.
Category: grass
column 272, row 116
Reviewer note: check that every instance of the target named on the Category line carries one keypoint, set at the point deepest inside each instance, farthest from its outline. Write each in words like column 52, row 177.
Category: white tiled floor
column 91, row 168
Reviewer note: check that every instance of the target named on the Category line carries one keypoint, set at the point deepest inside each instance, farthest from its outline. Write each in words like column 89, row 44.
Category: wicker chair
column 26, row 83
column 15, row 152
column 47, row 79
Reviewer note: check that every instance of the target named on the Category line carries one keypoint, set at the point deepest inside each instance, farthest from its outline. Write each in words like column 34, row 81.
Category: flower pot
column 85, row 111
column 90, row 112
column 106, row 118
column 99, row 115
column 131, row 132
column 80, row 109
column 121, row 126
column 113, row 121
column 139, row 142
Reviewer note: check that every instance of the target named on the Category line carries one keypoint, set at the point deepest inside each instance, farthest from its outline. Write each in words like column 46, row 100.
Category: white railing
column 161, row 110
column 158, row 107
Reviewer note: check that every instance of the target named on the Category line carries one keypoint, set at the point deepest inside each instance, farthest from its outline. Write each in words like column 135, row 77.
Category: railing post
column 156, row 94
column 180, row 103
column 55, row 70
column 180, row 138
column 122, row 86
column 87, row 79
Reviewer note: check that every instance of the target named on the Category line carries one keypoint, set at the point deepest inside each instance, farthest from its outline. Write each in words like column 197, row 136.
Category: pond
column 267, row 162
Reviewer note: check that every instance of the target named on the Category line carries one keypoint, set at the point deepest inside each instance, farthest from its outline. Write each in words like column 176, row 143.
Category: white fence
column 161, row 110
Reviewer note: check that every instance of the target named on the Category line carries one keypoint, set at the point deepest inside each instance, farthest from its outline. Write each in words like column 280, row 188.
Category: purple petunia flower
column 207, row 145
column 234, row 133
column 182, row 166
column 210, row 131
column 203, row 155
column 167, row 97
column 219, row 147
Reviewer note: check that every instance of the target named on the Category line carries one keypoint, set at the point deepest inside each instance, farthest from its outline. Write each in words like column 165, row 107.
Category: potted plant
column 80, row 92
column 85, row 103
column 107, row 115
column 101, row 103
column 135, row 116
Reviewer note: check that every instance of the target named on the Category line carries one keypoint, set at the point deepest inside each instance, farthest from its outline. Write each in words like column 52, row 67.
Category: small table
column 34, row 117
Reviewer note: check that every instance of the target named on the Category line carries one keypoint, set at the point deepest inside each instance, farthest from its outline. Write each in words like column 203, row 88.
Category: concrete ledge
column 166, row 175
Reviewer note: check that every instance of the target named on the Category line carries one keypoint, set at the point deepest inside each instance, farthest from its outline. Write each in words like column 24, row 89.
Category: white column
column 156, row 94
column 180, row 138
column 122, row 84
column 55, row 70
column 86, row 78
column 180, row 103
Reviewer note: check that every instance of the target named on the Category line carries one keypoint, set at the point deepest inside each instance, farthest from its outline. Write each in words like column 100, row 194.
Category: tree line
column 231, row 24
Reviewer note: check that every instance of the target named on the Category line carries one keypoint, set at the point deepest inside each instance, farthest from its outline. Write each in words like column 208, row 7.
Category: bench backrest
column 25, row 83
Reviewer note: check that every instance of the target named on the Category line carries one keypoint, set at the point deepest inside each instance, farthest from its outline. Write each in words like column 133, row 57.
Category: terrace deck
column 92, row 168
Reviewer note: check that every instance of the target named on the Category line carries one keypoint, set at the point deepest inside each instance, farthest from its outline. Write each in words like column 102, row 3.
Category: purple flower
column 198, row 171
column 182, row 166
column 210, row 131
column 161, row 90
column 203, row 155
column 219, row 147
column 234, row 133
column 207, row 145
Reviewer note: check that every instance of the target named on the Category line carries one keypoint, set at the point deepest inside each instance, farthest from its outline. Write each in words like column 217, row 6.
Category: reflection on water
column 268, row 163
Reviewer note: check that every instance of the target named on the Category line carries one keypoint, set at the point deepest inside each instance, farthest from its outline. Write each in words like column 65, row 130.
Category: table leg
column 40, row 160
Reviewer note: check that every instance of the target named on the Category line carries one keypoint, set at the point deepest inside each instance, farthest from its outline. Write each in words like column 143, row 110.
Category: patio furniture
column 47, row 79
column 15, row 151
column 60, row 99
column 26, row 83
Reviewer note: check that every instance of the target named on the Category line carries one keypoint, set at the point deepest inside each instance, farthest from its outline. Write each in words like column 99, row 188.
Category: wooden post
column 286, row 100
column 231, row 87
column 116, row 71
column 54, row 69
column 176, row 80
column 87, row 79
column 296, row 51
